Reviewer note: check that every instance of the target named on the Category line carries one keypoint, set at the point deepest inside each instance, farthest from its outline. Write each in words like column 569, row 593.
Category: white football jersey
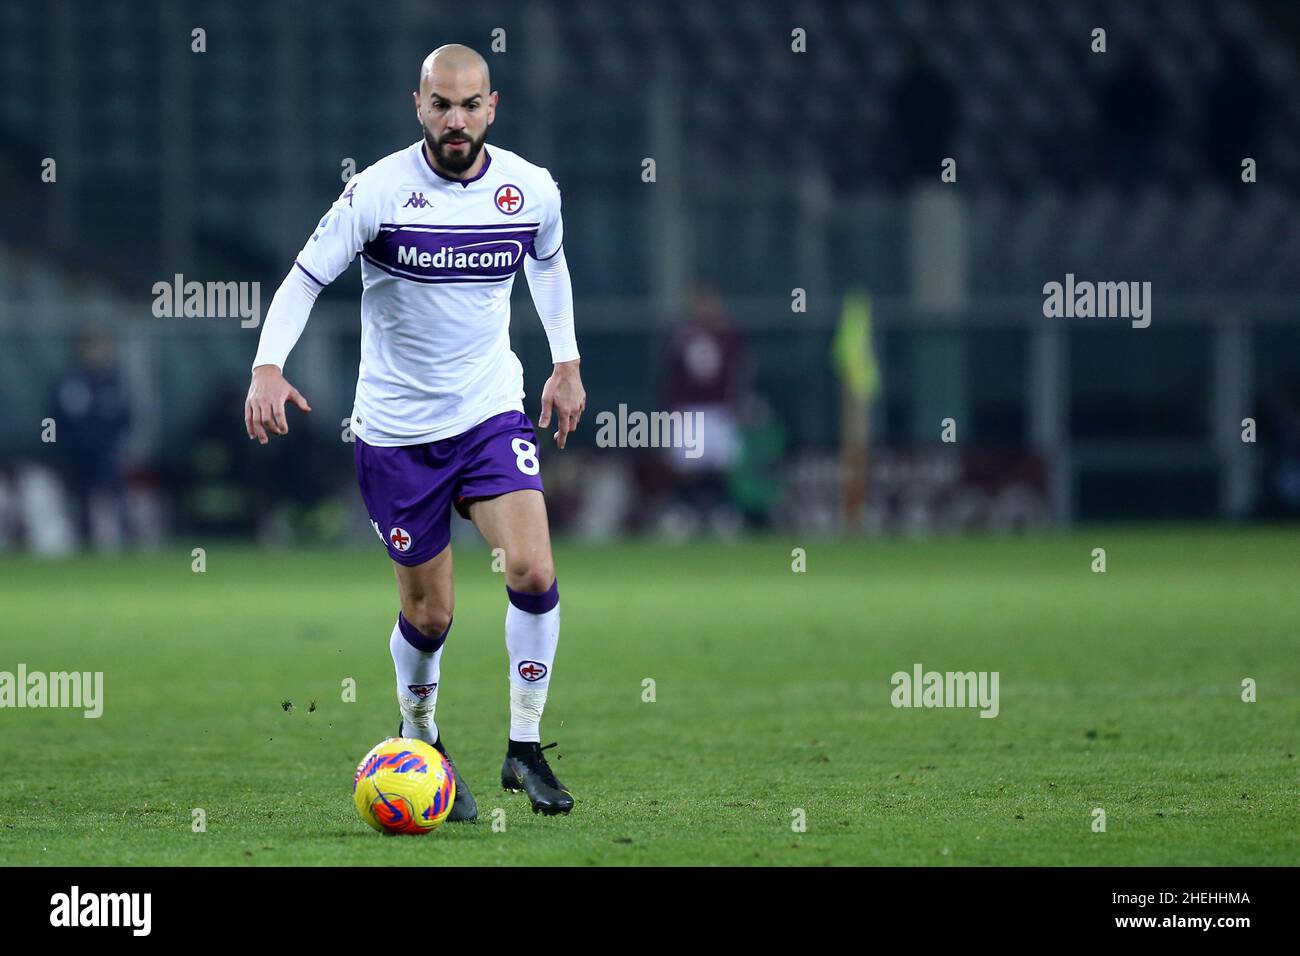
column 438, row 260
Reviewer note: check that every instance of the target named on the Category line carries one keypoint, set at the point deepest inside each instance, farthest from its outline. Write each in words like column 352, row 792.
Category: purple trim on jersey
column 535, row 603
column 533, row 252
column 309, row 275
column 428, row 254
column 435, row 226
column 418, row 639
column 487, row 161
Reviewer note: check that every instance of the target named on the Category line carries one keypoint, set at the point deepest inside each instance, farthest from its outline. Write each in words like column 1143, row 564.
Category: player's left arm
column 552, row 291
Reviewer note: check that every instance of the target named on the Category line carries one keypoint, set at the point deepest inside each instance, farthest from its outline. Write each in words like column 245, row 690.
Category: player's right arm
column 270, row 390
column 348, row 225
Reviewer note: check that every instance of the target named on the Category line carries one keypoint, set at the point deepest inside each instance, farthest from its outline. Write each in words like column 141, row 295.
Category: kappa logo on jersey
column 399, row 539
column 532, row 670
column 417, row 201
column 422, row 690
column 509, row 199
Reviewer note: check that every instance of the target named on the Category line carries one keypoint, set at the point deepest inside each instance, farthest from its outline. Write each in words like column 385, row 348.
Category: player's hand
column 564, row 394
column 264, row 407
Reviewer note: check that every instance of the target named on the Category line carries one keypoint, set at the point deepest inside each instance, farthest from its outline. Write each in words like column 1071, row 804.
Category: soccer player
column 442, row 227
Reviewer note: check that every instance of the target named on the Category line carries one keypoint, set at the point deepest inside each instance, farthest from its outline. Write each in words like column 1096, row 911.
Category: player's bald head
column 455, row 106
column 449, row 64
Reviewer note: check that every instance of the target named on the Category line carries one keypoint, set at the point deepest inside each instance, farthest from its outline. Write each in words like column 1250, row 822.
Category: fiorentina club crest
column 422, row 690
column 509, row 199
column 532, row 670
column 399, row 539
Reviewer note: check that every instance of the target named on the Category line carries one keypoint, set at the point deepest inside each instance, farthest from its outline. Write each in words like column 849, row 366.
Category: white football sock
column 417, row 658
column 532, row 634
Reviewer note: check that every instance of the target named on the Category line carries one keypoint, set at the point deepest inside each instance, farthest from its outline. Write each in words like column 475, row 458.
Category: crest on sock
column 422, row 690
column 532, row 670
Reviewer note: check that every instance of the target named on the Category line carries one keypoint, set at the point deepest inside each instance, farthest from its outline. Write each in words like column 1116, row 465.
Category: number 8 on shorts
column 525, row 456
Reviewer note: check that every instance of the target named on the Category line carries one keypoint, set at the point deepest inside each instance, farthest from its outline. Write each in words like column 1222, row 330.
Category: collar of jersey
column 487, row 161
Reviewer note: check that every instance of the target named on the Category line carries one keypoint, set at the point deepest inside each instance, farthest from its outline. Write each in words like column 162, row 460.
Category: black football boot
column 525, row 769
column 464, row 809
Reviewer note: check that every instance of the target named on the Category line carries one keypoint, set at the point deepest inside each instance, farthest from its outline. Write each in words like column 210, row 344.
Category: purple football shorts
column 409, row 489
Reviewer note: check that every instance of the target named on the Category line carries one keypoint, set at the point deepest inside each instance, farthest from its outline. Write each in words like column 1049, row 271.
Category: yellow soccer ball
column 403, row 786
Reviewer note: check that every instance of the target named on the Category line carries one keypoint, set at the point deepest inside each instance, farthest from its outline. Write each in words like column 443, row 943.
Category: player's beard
column 454, row 162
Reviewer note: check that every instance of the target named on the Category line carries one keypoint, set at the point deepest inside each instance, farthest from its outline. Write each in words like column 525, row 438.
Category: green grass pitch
column 1119, row 691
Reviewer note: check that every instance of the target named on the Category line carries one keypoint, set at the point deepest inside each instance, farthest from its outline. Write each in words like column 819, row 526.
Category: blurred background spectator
column 92, row 415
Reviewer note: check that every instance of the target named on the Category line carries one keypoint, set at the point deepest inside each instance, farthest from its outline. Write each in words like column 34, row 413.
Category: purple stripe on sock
column 535, row 603
column 417, row 638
